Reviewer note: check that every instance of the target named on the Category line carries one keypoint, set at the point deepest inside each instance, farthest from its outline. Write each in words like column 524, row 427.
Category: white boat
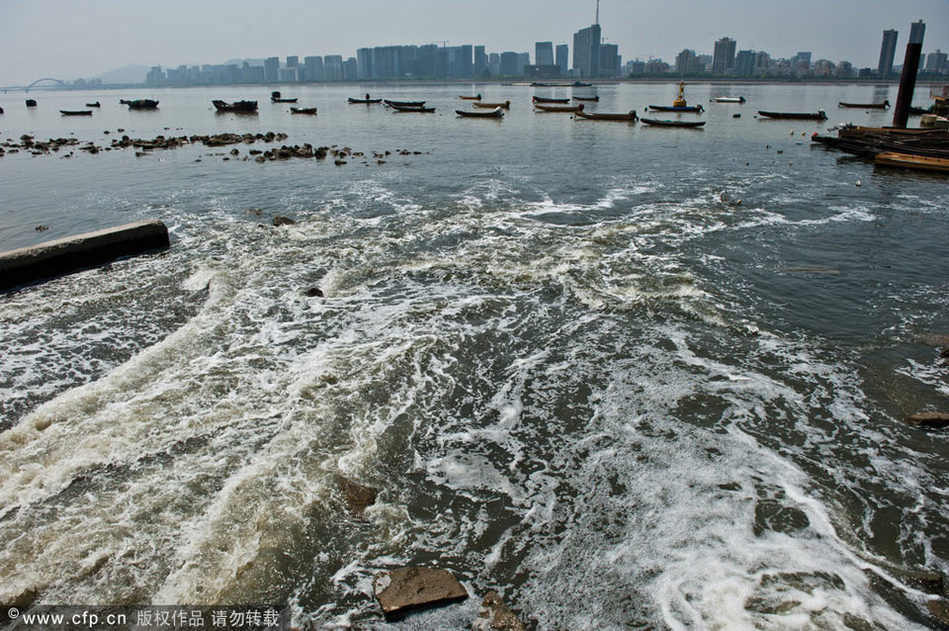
column 729, row 99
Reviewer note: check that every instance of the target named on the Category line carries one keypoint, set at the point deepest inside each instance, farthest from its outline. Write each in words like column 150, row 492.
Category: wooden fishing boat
column 910, row 161
column 476, row 97
column 303, row 110
column 403, row 103
column 694, row 109
column 544, row 99
column 866, row 106
column 630, row 117
column 495, row 113
column 275, row 98
column 365, row 101
column 570, row 109
column 96, row 104
column 76, row 112
column 240, row 107
column 819, row 115
column 421, row 109
column 140, row 104
column 506, row 105
column 667, row 123
column 728, row 99
column 587, row 98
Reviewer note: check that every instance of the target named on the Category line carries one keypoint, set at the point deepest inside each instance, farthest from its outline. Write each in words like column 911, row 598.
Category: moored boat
column 819, row 115
column 587, row 98
column 910, row 161
column 695, row 109
column 545, row 99
column 365, row 101
column 668, row 123
column 629, row 117
column 303, row 110
column 240, row 107
column 570, row 109
column 96, row 104
column 495, row 113
column 867, row 106
column 476, row 97
column 728, row 99
column 413, row 108
column 30, row 103
column 140, row 104
column 506, row 105
column 403, row 103
column 276, row 98
column 76, row 112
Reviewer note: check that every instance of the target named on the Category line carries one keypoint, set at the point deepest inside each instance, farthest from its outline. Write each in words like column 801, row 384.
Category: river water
column 627, row 376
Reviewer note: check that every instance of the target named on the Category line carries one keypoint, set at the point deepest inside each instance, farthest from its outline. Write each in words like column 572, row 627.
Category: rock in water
column 280, row 220
column 939, row 610
column 358, row 497
column 495, row 616
column 933, row 420
column 411, row 588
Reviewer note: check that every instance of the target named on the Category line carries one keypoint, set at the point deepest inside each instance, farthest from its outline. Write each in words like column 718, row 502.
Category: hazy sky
column 67, row 39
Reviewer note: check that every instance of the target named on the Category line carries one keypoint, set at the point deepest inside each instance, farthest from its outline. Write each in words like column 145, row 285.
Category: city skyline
column 89, row 39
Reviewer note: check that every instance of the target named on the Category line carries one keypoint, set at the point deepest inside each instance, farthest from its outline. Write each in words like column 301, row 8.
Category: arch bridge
column 38, row 81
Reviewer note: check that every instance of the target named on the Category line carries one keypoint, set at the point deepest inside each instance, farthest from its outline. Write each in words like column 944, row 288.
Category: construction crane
column 443, row 42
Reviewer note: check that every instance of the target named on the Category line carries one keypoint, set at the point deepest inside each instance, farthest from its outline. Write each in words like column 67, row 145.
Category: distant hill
column 126, row 74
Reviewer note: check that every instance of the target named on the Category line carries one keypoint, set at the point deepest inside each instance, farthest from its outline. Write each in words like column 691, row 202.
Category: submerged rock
column 357, row 497
column 939, row 610
column 316, row 292
column 280, row 220
column 496, row 616
column 407, row 589
column 932, row 420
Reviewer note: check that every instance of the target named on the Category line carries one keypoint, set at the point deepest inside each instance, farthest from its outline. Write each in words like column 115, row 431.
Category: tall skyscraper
column 563, row 60
column 480, row 61
column 543, row 53
column 272, row 69
column 586, row 52
column 313, row 67
column 887, row 53
column 916, row 32
column 745, row 63
column 937, row 62
column 723, row 61
column 609, row 60
column 364, row 62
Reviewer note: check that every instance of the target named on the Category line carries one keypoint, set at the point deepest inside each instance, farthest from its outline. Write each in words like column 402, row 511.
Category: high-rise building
column 745, row 63
column 563, row 59
column 350, row 69
column 313, row 68
column 543, row 53
column 609, row 60
column 507, row 66
column 723, row 60
column 887, row 53
column 523, row 60
column 937, row 62
column 916, row 32
column 494, row 64
column 333, row 67
column 687, row 62
column 586, row 52
column 272, row 69
column 293, row 61
column 480, row 61
column 364, row 59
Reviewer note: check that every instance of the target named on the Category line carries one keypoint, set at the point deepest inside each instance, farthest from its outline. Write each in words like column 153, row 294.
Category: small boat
column 596, row 116
column 1, row 110
column 476, row 97
column 413, row 108
column 667, row 123
column 76, row 112
column 587, row 98
column 919, row 111
column 403, row 103
column 728, row 99
column 240, row 107
column 580, row 84
column 910, row 161
column 140, row 104
column 819, row 115
column 303, row 110
column 695, row 109
column 867, row 106
column 275, row 98
column 506, row 105
column 559, row 108
column 96, row 104
column 544, row 99
column 495, row 113
column 30, row 103
column 365, row 101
